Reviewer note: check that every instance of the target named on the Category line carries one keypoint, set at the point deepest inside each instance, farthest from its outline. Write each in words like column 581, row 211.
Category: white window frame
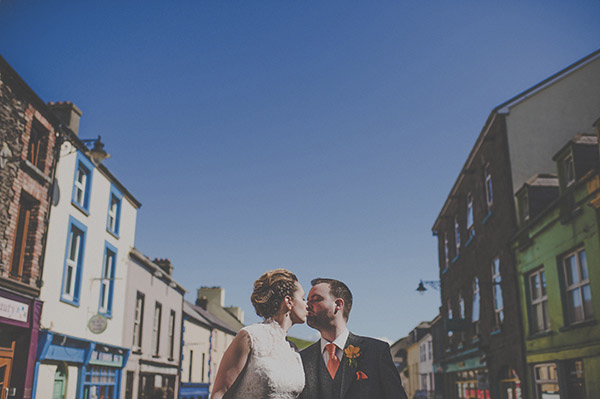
column 538, row 381
column 489, row 187
column 107, row 280
column 156, row 329
column 497, row 292
column 457, row 235
column 538, row 301
column 73, row 262
column 470, row 217
column 579, row 286
column 112, row 213
column 138, row 321
column 172, row 317
column 446, row 250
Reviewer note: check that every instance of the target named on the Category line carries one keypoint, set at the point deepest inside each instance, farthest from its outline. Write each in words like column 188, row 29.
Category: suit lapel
column 348, row 373
column 311, row 373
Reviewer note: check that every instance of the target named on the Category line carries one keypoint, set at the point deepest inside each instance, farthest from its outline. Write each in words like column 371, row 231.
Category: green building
column 557, row 250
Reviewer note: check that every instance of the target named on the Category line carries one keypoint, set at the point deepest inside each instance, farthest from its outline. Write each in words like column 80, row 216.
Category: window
column 38, row 142
column 538, row 302
column 546, row 381
column 523, row 201
column 114, row 211
column 172, row 335
column 25, row 238
column 450, row 318
column 476, row 301
column 138, row 321
column 107, row 279
column 203, row 366
column 429, row 350
column 569, row 170
column 470, row 229
column 190, row 366
column 497, row 288
column 457, row 235
column 446, row 251
column 489, row 193
column 156, row 329
column 461, row 306
column 73, row 262
column 82, row 183
column 577, row 285
column 100, row 382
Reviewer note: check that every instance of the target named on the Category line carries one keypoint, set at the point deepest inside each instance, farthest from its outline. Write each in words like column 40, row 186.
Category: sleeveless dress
column 274, row 370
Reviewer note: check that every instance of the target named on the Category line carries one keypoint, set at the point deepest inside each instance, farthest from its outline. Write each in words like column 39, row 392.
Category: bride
column 260, row 363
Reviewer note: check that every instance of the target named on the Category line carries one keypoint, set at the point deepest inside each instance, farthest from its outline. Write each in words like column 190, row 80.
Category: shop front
column 74, row 367
column 19, row 326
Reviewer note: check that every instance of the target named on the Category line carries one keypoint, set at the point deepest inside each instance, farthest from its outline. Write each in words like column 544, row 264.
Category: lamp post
column 97, row 153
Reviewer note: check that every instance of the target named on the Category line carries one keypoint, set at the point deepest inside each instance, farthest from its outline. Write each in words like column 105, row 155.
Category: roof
column 207, row 318
column 156, row 270
column 503, row 109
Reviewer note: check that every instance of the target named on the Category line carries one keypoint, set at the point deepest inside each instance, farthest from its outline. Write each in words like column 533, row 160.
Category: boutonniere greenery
column 352, row 354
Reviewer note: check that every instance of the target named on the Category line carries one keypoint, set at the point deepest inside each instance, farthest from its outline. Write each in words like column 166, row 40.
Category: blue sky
column 322, row 136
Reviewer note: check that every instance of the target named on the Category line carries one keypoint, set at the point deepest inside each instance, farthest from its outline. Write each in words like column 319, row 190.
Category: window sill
column 470, row 240
column 112, row 233
column 496, row 332
column 35, row 171
column 489, row 215
column 540, row 335
column 455, row 258
column 80, row 208
column 155, row 356
column 137, row 351
column 581, row 324
column 70, row 302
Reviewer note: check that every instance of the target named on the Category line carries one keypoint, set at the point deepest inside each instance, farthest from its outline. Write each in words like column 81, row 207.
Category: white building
column 90, row 235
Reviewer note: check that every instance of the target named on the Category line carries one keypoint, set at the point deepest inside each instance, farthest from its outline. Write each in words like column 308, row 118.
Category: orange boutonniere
column 361, row 376
column 352, row 353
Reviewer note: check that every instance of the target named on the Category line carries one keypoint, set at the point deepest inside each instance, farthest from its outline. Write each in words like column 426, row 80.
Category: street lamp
column 435, row 284
column 97, row 153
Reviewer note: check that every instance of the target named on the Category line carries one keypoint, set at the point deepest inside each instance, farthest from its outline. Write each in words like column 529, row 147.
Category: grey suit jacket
column 375, row 362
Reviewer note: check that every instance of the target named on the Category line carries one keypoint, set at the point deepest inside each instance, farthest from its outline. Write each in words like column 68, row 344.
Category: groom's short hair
column 338, row 290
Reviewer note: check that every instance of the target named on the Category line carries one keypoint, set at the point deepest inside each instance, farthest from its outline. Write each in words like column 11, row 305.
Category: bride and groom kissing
column 261, row 364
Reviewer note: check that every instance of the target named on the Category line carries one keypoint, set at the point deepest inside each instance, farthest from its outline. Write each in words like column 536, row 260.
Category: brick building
column 28, row 132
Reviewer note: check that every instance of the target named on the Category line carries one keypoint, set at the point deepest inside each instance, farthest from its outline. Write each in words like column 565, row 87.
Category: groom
column 342, row 365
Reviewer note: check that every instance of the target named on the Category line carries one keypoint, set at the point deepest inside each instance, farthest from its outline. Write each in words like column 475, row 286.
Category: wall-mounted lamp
column 96, row 153
column 172, row 284
column 435, row 284
column 158, row 274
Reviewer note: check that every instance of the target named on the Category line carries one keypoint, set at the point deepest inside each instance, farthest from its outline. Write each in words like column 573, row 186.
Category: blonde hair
column 270, row 289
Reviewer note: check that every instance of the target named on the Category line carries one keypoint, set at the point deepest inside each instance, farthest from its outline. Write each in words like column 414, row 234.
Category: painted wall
column 541, row 124
column 196, row 338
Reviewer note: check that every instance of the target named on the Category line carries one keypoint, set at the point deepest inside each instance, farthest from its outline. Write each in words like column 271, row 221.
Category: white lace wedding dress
column 274, row 370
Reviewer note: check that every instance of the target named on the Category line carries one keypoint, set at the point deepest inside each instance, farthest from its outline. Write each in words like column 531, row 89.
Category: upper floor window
column 172, row 335
column 22, row 253
column 446, row 251
column 37, row 146
column 114, row 211
column 538, row 302
column 450, row 317
column 497, row 288
column 138, row 321
column 470, row 229
column 476, row 301
column 156, row 329
column 73, row 262
column 461, row 306
column 577, row 286
column 423, row 351
column 82, row 183
column 107, row 279
column 489, row 192
column 457, row 234
column 569, row 170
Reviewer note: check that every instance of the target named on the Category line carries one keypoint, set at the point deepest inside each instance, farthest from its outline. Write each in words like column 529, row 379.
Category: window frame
column 156, row 326
column 537, row 382
column 580, row 285
column 172, row 322
column 28, row 207
column 540, row 302
column 446, row 251
column 457, row 235
column 470, row 216
column 84, row 164
column 489, row 187
column 114, row 214
column 37, row 146
column 138, row 321
column 107, row 280
column 74, row 279
column 476, row 300
column 497, row 290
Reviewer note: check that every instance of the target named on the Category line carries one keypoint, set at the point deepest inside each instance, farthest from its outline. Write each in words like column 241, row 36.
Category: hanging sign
column 97, row 324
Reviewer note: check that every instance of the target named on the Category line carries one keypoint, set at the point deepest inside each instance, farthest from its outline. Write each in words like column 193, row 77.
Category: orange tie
column 334, row 362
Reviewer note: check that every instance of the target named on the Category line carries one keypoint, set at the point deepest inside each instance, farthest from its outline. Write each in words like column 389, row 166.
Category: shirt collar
column 340, row 340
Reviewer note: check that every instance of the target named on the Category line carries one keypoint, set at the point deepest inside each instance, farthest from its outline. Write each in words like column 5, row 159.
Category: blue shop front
column 69, row 366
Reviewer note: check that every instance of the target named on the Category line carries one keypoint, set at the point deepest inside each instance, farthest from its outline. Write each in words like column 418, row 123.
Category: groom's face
column 321, row 306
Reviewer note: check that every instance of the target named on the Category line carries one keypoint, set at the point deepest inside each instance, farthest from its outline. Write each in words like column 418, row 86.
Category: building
column 153, row 321
column 208, row 329
column 557, row 249
column 420, row 362
column 28, row 133
column 400, row 358
column 90, row 234
column 483, row 345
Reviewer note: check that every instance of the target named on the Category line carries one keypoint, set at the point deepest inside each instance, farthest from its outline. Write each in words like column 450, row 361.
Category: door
column 6, row 360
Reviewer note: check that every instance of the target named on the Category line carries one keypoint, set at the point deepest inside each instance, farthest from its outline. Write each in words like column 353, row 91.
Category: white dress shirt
column 339, row 343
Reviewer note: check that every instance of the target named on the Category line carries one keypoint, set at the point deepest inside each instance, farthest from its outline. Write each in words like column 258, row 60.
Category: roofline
column 504, row 109
column 139, row 256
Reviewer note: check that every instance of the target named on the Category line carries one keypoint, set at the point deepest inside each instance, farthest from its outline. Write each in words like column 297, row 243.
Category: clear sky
column 322, row 136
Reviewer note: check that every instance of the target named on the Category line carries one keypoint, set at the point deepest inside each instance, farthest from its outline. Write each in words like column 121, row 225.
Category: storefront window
column 546, row 381
column 100, row 383
column 473, row 384
column 510, row 385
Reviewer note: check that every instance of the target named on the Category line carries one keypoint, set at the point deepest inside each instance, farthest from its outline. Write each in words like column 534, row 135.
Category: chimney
column 214, row 295
column 68, row 114
column 202, row 302
column 236, row 312
column 165, row 265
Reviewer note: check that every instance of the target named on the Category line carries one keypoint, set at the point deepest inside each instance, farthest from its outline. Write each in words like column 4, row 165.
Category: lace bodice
column 274, row 369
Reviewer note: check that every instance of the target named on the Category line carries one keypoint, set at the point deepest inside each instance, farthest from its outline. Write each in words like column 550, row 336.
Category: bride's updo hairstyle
column 270, row 289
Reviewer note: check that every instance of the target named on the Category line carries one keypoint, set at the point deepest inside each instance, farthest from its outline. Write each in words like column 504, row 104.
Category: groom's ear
column 339, row 305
